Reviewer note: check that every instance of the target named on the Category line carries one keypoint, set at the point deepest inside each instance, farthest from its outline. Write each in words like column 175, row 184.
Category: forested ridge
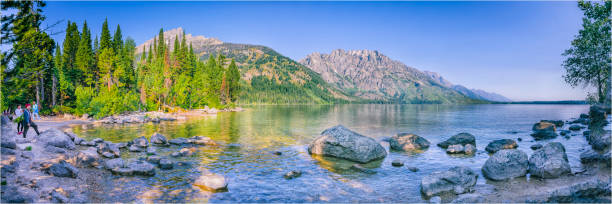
column 99, row 76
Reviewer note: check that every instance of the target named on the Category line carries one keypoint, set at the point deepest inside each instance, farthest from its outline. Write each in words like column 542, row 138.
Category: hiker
column 35, row 112
column 27, row 121
column 18, row 113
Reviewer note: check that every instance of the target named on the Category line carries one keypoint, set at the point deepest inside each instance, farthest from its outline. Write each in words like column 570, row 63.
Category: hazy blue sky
column 512, row 48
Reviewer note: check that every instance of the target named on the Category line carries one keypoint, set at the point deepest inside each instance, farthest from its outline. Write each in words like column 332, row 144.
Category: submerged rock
column 455, row 149
column 564, row 132
column 536, row 146
column 407, row 142
column 362, row 169
column 575, row 127
column 544, row 130
column 153, row 159
column 497, row 145
column 461, row 138
column 166, row 164
column 184, row 152
column 506, row 164
column 293, row 174
column 179, row 141
column 397, row 163
column 341, row 142
column 457, row 179
column 549, row 162
column 413, row 169
column 201, row 140
column 212, row 182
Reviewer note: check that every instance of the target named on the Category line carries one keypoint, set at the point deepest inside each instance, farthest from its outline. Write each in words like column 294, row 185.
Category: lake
column 249, row 139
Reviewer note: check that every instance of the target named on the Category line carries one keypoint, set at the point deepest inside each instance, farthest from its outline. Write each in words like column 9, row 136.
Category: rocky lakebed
column 60, row 166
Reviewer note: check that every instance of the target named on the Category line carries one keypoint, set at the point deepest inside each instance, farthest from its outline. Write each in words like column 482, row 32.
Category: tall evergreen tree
column 84, row 58
column 117, row 40
column 105, row 37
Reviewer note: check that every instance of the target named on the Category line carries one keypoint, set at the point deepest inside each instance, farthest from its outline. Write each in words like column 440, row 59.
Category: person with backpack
column 35, row 111
column 28, row 122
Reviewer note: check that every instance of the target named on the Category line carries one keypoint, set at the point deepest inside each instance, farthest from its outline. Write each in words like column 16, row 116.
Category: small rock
column 293, row 174
column 397, row 163
column 142, row 168
column 461, row 138
column 159, row 139
column 151, row 150
column 141, row 142
column 134, row 148
column 278, row 153
column 166, row 164
column 113, row 164
column 408, row 142
column 544, row 130
column 564, row 132
column 59, row 196
column 455, row 149
column 457, row 179
column 575, row 127
column 497, row 145
column 536, row 146
column 87, row 158
column 469, row 149
column 470, row 198
column 519, row 139
column 98, row 140
column 413, row 169
column 212, row 182
column 154, row 159
column 201, row 140
column 178, row 141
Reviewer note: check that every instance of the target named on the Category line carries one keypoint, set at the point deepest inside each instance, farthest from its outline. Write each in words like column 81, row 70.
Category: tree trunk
column 42, row 89
column 53, row 90
column 600, row 93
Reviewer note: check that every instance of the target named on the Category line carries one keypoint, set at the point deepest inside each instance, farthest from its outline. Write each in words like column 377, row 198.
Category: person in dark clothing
column 27, row 121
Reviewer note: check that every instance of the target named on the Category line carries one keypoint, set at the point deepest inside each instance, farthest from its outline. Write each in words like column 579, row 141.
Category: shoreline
column 522, row 189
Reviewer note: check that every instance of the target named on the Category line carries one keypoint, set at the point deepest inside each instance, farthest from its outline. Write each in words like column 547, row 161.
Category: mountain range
column 354, row 76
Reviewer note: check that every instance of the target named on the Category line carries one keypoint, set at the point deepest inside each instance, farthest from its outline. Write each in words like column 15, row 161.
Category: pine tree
column 84, row 58
column 105, row 38
column 233, row 81
column 117, row 40
column 161, row 45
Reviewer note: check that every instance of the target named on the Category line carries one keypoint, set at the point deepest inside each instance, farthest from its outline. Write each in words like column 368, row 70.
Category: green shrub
column 28, row 148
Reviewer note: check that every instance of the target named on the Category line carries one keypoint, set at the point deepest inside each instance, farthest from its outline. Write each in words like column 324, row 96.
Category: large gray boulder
column 461, row 138
column 549, row 162
column 408, row 142
column 114, row 164
column 7, row 140
column 497, row 145
column 63, row 169
column 88, row 158
column 110, row 149
column 544, row 130
column 598, row 138
column 597, row 115
column 341, row 142
column 457, row 179
column 142, row 168
column 158, row 139
column 592, row 157
column 506, row 164
column 212, row 182
column 56, row 138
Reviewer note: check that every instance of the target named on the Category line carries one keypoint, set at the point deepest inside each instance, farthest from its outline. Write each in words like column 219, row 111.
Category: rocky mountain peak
column 170, row 35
